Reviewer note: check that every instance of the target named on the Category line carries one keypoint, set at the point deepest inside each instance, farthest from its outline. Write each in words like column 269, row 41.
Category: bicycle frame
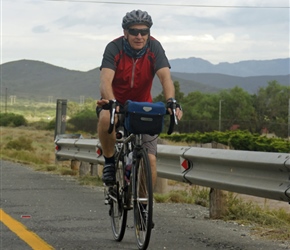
column 138, row 191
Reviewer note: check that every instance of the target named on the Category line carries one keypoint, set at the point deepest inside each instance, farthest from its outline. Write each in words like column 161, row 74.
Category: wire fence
column 267, row 127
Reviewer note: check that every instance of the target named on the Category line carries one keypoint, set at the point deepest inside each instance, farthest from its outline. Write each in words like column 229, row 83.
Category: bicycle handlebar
column 112, row 108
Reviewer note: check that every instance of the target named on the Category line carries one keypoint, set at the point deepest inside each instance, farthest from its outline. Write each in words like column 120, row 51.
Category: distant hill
column 250, row 84
column 243, row 68
column 38, row 80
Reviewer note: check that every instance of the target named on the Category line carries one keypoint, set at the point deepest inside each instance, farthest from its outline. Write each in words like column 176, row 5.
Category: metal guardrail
column 254, row 173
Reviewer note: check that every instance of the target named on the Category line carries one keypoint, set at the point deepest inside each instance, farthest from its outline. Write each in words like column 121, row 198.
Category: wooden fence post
column 75, row 165
column 161, row 185
column 217, row 198
column 85, row 168
column 217, row 203
column 94, row 169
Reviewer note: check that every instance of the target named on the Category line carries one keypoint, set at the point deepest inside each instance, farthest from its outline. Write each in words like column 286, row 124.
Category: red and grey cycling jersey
column 134, row 77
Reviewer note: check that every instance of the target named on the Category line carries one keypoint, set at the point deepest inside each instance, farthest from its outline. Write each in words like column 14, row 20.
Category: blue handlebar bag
column 144, row 117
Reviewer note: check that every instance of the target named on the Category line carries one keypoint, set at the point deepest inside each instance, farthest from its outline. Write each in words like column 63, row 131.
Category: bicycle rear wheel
column 142, row 199
column 117, row 212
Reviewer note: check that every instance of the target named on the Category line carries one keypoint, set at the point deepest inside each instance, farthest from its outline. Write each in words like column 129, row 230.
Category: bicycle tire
column 118, row 213
column 142, row 199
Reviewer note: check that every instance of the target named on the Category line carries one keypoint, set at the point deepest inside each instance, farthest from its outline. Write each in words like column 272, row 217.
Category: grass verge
column 268, row 223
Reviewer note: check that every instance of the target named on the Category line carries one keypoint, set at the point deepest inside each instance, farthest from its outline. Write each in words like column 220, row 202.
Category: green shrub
column 39, row 125
column 11, row 119
column 85, row 120
column 51, row 125
column 238, row 140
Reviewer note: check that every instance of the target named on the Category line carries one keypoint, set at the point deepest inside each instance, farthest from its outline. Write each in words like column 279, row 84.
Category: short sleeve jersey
column 134, row 77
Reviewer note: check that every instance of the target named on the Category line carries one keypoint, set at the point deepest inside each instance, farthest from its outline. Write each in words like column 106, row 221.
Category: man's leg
column 107, row 140
column 108, row 146
column 152, row 159
column 150, row 143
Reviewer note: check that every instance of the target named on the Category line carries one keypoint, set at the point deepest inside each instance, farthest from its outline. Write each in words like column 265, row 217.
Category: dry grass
column 36, row 149
column 27, row 145
column 266, row 222
column 32, row 147
column 185, row 194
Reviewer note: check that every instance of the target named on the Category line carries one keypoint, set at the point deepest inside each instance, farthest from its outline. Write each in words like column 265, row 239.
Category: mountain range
column 243, row 68
column 37, row 80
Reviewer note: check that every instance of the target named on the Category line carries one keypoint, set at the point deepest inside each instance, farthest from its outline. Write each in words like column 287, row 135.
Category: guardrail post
column 217, row 203
column 75, row 165
column 60, row 121
column 161, row 185
column 217, row 198
column 85, row 168
column 94, row 169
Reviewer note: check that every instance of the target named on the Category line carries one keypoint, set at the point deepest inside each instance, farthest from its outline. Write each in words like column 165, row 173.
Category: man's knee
column 103, row 119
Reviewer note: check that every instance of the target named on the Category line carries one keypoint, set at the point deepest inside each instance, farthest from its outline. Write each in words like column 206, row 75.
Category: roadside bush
column 39, row 125
column 238, row 140
column 85, row 120
column 11, row 119
column 51, row 125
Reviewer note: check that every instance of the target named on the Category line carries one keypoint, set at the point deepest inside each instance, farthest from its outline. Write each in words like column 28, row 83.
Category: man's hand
column 178, row 110
column 102, row 102
column 107, row 104
column 179, row 113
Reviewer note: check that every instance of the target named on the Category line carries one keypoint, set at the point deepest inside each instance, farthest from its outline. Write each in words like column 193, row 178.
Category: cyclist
column 128, row 67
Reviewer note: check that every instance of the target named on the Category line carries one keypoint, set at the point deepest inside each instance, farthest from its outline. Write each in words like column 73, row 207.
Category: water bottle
column 128, row 167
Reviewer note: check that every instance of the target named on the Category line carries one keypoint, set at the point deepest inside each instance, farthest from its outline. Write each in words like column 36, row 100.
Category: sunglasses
column 136, row 32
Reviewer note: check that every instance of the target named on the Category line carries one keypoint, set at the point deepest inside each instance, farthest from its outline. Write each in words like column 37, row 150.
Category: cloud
column 76, row 33
column 226, row 38
column 70, row 21
column 40, row 29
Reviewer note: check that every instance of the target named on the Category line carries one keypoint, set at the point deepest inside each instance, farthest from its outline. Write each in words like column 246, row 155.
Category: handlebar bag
column 144, row 117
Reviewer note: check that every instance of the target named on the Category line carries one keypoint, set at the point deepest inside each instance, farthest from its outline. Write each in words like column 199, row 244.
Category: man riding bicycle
column 129, row 65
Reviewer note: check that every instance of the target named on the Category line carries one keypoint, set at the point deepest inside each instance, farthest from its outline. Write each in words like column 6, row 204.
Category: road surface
column 62, row 214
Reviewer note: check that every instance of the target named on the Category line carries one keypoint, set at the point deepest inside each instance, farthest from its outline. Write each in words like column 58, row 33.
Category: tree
column 271, row 105
column 237, row 106
column 178, row 94
column 267, row 109
column 200, row 111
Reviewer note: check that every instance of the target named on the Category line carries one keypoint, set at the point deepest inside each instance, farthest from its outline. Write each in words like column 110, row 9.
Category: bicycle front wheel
column 118, row 213
column 142, row 199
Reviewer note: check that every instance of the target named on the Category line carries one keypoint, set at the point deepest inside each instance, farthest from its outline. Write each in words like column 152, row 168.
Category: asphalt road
column 68, row 216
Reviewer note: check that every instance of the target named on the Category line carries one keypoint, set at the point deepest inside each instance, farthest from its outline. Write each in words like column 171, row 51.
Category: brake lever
column 174, row 112
column 175, row 117
column 112, row 114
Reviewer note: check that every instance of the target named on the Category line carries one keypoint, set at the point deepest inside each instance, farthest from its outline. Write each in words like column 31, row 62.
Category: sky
column 73, row 33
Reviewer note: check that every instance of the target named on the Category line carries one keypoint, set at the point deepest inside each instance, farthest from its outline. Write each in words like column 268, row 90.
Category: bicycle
column 132, row 191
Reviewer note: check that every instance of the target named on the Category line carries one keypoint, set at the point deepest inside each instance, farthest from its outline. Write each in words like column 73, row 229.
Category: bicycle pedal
column 107, row 199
